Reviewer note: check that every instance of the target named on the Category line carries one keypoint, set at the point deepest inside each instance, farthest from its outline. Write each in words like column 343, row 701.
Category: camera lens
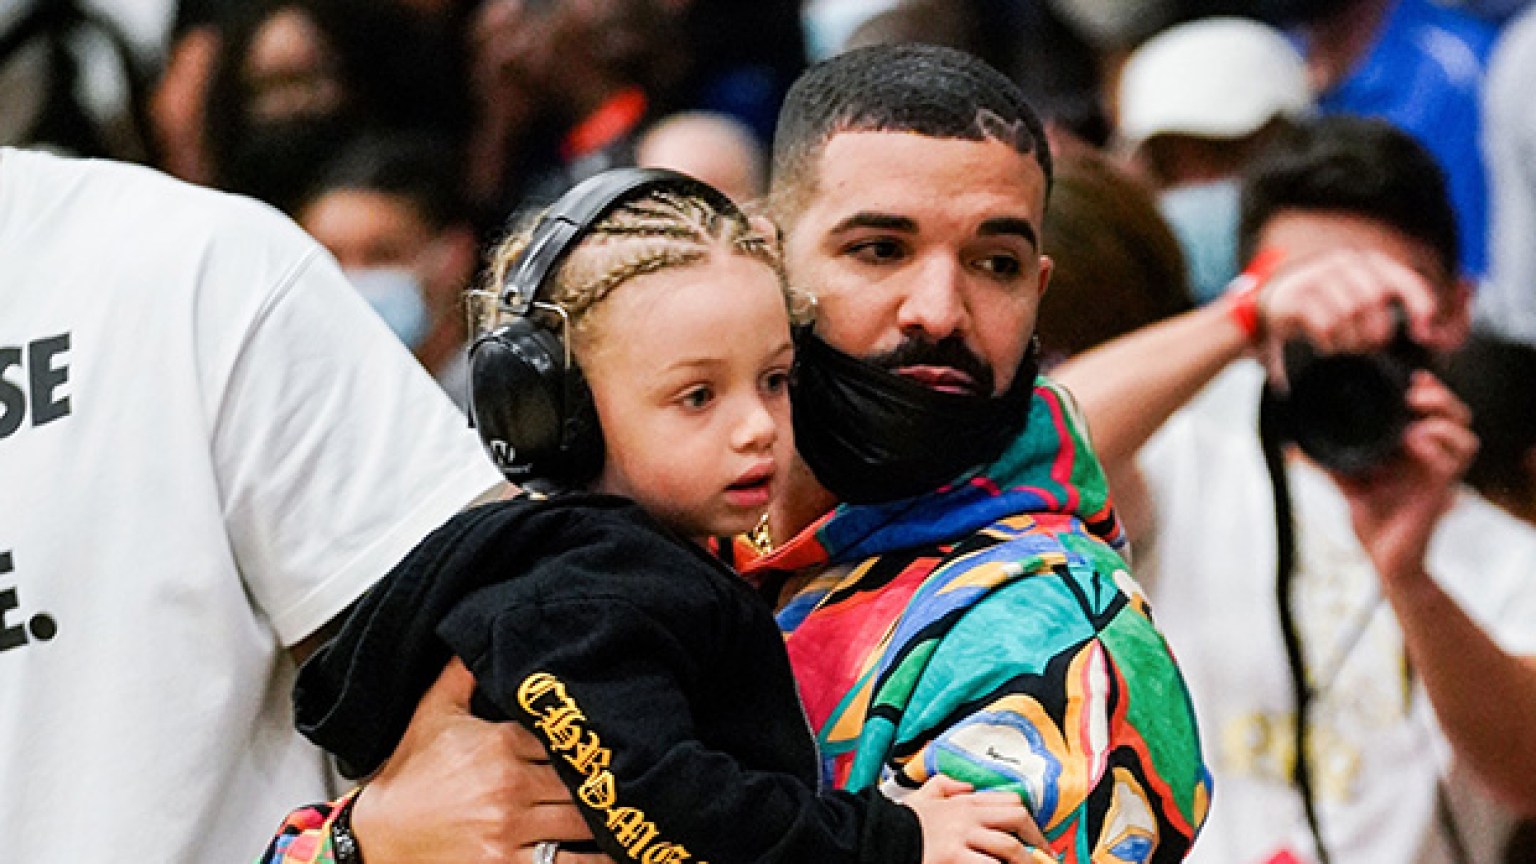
column 1349, row 411
column 1346, row 411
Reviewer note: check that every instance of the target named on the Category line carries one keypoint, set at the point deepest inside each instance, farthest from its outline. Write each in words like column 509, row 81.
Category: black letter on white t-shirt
column 13, row 403
column 46, row 378
column 10, row 636
column 42, row 624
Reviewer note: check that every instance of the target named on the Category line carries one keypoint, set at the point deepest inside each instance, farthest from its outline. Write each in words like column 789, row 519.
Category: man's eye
column 1002, row 265
column 876, row 251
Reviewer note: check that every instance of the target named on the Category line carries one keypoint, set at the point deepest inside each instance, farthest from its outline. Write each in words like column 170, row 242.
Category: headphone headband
column 569, row 218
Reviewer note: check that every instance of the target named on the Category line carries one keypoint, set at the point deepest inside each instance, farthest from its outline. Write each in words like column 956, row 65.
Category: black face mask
column 870, row 435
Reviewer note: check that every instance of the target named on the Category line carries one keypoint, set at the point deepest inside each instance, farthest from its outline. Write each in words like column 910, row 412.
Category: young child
column 598, row 618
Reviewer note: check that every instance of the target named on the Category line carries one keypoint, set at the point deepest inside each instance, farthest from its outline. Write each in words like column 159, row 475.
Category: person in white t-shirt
column 1412, row 601
column 209, row 447
column 1506, row 301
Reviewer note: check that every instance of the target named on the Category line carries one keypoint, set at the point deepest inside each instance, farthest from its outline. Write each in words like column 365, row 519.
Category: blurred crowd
column 404, row 132
column 406, row 135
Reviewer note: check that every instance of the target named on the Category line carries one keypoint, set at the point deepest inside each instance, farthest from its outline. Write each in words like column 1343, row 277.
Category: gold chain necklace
column 761, row 537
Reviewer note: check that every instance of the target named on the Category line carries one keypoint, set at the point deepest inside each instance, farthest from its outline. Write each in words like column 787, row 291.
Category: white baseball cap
column 1213, row 78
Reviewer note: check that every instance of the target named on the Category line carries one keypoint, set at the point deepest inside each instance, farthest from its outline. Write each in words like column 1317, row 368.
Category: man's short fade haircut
column 1359, row 166
column 925, row 89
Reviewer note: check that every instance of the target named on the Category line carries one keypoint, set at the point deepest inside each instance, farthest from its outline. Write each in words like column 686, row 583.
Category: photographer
column 1408, row 624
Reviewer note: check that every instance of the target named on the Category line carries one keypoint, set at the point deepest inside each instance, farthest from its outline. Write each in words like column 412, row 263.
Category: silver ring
column 544, row 852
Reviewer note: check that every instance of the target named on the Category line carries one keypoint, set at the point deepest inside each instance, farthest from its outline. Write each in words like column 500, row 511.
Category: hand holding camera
column 1350, row 339
column 1396, row 505
column 1345, row 332
column 1349, row 410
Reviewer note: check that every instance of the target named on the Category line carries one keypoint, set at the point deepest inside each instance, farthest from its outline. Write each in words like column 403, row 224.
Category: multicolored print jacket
column 991, row 631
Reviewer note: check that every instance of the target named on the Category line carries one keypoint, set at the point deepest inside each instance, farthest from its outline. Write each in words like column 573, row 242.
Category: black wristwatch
column 343, row 842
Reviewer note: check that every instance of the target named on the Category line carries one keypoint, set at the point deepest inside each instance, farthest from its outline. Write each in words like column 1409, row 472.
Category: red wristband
column 1242, row 294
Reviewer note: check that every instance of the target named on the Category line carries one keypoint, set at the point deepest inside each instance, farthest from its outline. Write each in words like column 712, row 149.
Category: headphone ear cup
column 517, row 394
column 535, row 416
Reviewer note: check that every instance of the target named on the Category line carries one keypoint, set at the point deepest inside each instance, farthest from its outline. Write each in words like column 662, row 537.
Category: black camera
column 1348, row 411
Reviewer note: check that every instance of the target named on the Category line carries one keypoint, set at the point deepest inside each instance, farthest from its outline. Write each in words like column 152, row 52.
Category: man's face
column 380, row 232
column 1308, row 233
column 924, row 255
column 364, row 229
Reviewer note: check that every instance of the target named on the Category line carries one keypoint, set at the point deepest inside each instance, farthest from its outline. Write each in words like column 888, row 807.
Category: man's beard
column 871, row 435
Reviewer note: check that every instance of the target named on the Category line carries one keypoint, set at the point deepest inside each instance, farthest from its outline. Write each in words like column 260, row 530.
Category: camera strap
column 1272, row 440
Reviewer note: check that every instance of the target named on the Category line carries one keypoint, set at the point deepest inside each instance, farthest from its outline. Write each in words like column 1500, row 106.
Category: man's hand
column 1342, row 301
column 459, row 789
column 1396, row 506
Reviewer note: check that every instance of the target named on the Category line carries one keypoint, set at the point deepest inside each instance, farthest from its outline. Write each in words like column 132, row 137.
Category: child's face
column 689, row 370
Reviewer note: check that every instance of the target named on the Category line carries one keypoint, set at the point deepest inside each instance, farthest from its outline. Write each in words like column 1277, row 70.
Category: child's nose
column 757, row 429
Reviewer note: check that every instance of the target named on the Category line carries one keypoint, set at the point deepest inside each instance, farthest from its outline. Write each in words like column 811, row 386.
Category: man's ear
column 1047, row 266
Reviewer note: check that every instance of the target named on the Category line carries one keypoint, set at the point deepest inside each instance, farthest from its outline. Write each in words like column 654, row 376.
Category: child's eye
column 696, row 397
column 776, row 382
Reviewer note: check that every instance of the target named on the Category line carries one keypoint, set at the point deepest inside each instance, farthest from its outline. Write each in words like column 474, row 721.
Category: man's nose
column 934, row 304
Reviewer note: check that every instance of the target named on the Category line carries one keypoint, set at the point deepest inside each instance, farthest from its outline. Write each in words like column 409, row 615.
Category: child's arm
column 616, row 707
column 612, row 691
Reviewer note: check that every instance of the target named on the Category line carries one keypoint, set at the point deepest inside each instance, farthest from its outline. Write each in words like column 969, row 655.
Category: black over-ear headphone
column 528, row 398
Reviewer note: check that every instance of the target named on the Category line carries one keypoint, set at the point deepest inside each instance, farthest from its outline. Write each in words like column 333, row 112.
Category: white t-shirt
column 1505, row 303
column 1378, row 752
column 209, row 446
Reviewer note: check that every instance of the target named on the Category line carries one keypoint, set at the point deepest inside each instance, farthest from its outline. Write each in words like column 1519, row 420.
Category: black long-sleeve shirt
column 656, row 677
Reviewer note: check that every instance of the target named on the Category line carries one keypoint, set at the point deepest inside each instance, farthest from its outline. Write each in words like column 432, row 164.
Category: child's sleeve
column 604, row 685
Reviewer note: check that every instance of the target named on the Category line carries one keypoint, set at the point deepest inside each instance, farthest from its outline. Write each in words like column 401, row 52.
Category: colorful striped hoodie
column 991, row 631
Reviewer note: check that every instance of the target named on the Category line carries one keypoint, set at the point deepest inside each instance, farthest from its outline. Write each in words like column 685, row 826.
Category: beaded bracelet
column 343, row 842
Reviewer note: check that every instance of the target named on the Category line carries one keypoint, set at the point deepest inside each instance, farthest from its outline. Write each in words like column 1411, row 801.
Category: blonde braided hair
column 657, row 231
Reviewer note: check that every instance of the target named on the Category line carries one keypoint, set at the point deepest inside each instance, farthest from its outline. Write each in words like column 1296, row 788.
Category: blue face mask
column 394, row 293
column 1204, row 217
